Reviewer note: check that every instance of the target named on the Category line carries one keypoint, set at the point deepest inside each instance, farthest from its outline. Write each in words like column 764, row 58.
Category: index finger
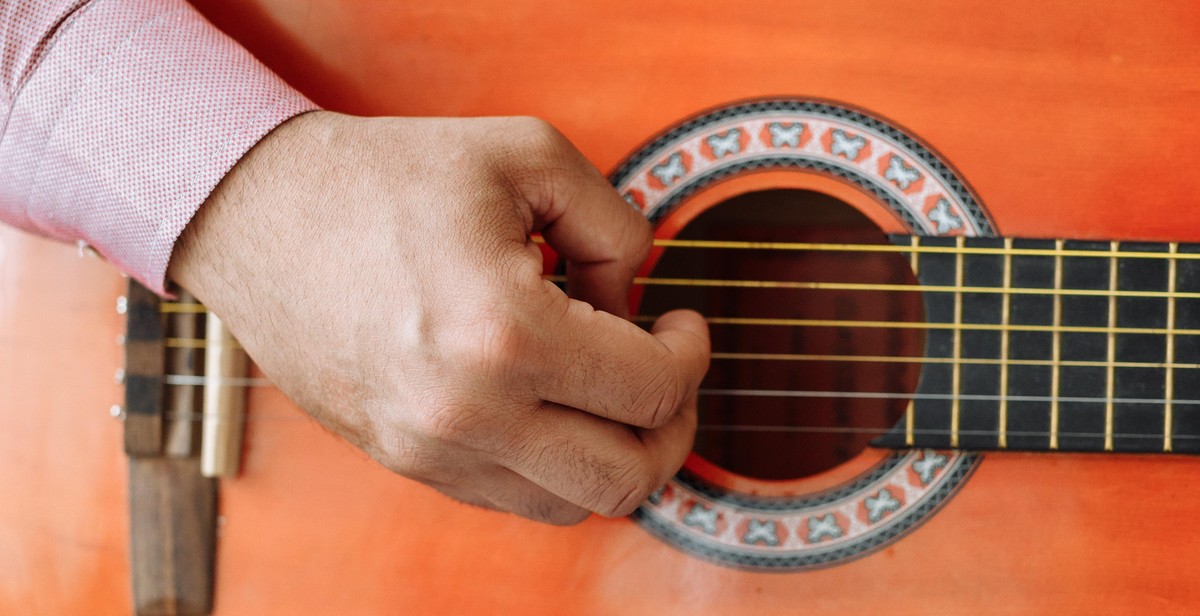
column 602, row 237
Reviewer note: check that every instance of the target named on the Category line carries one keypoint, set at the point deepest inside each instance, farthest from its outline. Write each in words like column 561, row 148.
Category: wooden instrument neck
column 1056, row 345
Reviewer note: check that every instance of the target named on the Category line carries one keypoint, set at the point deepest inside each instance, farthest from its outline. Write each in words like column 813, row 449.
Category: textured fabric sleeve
column 119, row 117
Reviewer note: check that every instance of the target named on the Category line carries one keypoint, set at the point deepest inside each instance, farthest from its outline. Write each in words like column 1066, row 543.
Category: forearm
column 119, row 119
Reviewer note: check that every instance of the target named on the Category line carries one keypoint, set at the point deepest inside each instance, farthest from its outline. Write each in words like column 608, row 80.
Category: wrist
column 240, row 219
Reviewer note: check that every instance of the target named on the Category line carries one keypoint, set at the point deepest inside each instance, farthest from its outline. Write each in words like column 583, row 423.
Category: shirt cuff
column 133, row 114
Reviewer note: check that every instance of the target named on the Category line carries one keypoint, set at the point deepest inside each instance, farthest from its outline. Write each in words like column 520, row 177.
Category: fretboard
column 1049, row 345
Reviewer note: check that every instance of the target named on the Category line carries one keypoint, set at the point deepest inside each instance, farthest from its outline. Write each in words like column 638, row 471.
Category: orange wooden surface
column 63, row 533
column 1071, row 121
column 1064, row 116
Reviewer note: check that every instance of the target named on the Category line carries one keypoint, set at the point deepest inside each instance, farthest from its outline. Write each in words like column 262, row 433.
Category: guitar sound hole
column 797, row 432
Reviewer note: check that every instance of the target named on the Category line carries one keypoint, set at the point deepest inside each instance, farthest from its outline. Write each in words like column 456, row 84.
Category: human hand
column 381, row 273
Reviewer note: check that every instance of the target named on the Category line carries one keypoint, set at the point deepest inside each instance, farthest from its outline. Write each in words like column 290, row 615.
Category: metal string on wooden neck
column 914, row 249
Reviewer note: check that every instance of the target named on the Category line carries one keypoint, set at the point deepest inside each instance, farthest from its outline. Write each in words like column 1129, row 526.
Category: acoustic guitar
column 951, row 263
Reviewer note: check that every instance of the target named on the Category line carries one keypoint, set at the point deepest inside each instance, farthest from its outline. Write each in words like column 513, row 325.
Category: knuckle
column 628, row 244
column 658, row 398
column 624, row 488
column 521, row 445
column 535, row 153
column 452, row 420
column 475, row 428
column 481, row 371
column 493, row 348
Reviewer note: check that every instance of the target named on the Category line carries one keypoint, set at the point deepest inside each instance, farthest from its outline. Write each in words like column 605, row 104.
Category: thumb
column 685, row 333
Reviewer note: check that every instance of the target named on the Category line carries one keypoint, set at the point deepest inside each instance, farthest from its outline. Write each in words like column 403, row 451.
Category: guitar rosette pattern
column 814, row 530
column 882, row 160
column 879, row 506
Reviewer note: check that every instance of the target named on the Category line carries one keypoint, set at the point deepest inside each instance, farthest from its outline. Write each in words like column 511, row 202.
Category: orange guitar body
column 1066, row 121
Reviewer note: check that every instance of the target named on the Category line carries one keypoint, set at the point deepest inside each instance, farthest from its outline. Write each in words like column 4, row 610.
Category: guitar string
column 978, row 361
column 1084, row 329
column 922, row 431
column 200, row 380
column 959, row 249
column 909, row 248
column 1111, row 253
column 709, row 427
column 193, row 380
column 800, row 285
column 901, row 396
column 889, row 395
column 876, row 395
column 199, row 343
column 893, row 287
column 786, row 322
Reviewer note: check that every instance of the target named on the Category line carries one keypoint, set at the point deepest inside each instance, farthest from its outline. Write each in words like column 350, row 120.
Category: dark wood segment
column 932, row 417
column 1185, row 428
column 1100, row 405
column 1081, row 425
column 172, row 517
column 1029, row 419
column 1139, row 426
column 979, row 419
column 144, row 365
column 172, row 507
column 181, row 431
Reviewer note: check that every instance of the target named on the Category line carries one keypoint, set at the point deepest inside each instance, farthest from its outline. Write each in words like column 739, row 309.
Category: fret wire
column 1169, row 384
column 956, row 368
column 1110, row 350
column 914, row 260
column 1005, row 306
column 909, row 424
column 1056, row 347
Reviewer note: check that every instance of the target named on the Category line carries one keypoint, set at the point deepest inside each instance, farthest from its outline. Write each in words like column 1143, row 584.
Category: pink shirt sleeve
column 119, row 117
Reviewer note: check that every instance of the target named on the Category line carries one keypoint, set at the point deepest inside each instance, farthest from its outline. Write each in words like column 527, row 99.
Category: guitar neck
column 1056, row 345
